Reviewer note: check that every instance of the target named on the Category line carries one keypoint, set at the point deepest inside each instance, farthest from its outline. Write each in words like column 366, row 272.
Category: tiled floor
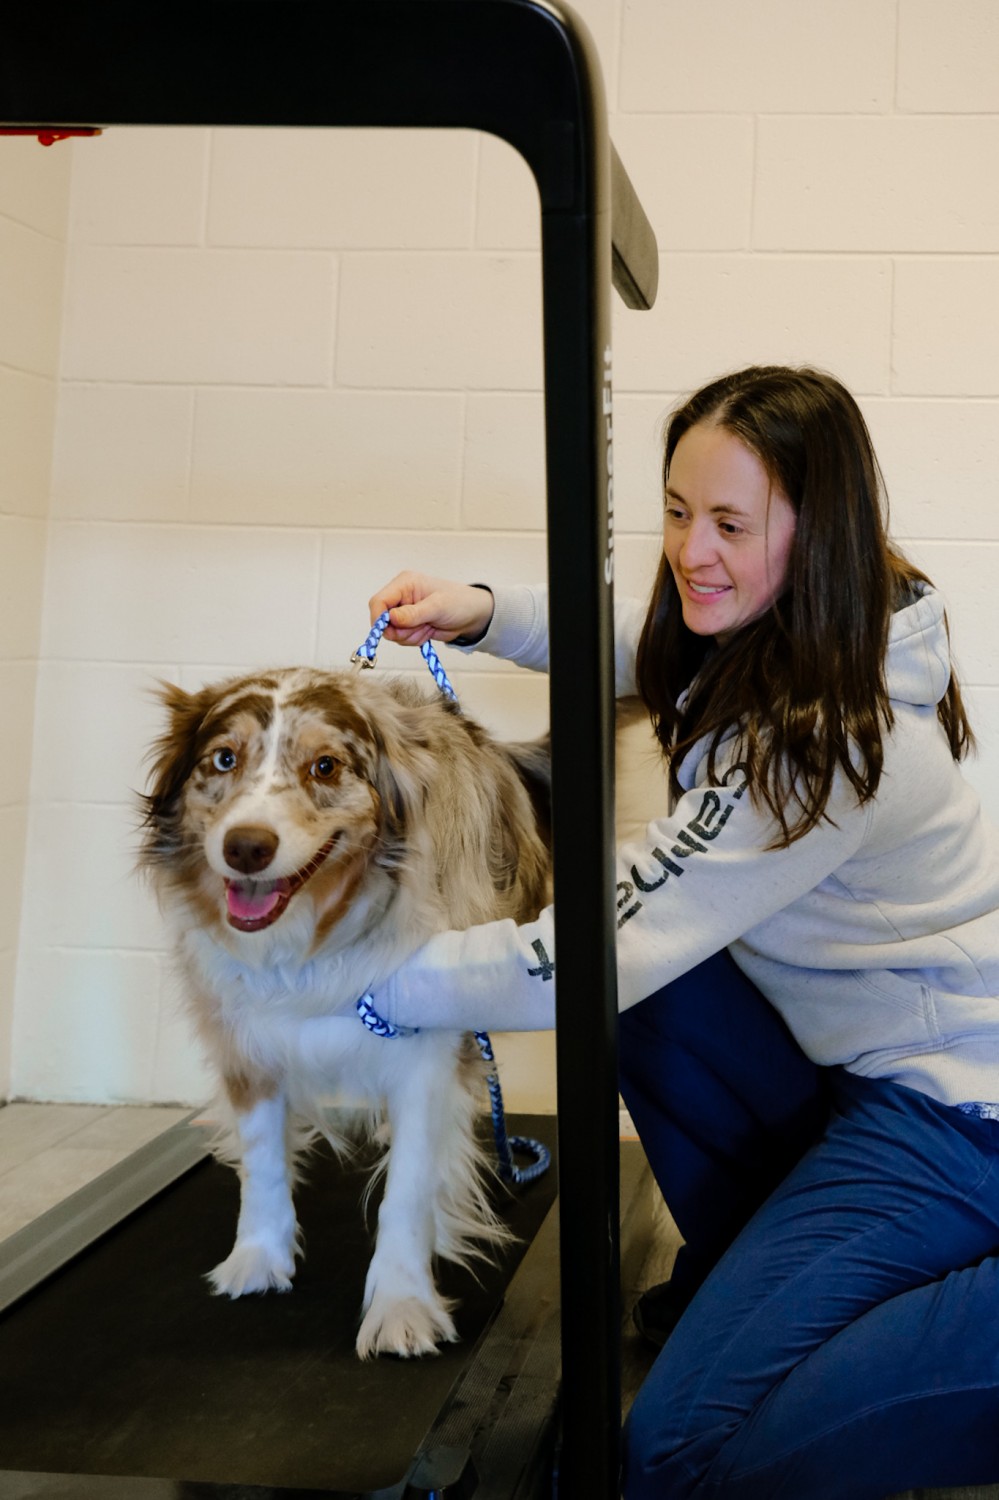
column 47, row 1151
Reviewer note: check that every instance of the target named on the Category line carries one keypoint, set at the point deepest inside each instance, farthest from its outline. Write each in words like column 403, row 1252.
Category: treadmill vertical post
column 579, row 370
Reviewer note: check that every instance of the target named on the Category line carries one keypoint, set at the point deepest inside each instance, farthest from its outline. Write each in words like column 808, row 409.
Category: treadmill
column 121, row 1378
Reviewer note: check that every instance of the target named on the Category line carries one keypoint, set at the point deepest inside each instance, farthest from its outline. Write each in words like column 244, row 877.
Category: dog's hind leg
column 403, row 1312
column 263, row 1257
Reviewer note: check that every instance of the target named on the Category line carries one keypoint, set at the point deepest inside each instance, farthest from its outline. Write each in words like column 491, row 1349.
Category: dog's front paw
column 253, row 1268
column 406, row 1326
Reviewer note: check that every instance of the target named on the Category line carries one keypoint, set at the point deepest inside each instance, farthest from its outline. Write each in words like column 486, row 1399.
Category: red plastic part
column 49, row 134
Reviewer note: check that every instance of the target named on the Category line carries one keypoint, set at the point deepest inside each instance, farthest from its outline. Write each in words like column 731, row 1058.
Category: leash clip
column 364, row 656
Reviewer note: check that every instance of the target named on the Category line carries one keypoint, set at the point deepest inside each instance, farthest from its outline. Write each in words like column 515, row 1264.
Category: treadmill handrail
column 295, row 62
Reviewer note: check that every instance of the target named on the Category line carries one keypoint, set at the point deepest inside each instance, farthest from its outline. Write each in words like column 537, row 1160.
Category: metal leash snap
column 364, row 656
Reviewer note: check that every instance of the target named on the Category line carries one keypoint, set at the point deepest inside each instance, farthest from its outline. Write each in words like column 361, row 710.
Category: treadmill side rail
column 29, row 1256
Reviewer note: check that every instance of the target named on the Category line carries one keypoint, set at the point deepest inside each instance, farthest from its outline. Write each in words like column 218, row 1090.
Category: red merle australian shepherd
column 305, row 831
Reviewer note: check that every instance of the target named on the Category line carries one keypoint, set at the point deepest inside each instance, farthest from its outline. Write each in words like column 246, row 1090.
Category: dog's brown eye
column 323, row 768
column 224, row 759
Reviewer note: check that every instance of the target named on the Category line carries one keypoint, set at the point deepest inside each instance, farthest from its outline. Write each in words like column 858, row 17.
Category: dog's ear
column 174, row 754
column 392, row 783
column 403, row 762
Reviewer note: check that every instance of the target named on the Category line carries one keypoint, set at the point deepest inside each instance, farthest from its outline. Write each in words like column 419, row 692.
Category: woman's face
column 727, row 532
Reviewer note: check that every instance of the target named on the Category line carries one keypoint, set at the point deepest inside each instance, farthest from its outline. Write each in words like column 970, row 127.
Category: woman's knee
column 655, row 1442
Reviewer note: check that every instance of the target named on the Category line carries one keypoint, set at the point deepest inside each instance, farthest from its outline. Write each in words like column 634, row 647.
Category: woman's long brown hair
column 804, row 685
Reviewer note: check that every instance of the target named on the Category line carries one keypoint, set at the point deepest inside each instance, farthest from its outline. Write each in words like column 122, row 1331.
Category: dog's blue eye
column 323, row 768
column 224, row 759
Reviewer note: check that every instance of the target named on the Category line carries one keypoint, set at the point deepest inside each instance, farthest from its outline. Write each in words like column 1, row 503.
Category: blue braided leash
column 505, row 1145
column 364, row 657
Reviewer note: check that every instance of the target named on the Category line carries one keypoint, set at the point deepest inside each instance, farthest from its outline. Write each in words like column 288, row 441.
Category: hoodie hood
column 917, row 667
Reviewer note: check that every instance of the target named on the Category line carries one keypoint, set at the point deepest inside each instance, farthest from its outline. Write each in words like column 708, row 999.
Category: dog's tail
column 532, row 761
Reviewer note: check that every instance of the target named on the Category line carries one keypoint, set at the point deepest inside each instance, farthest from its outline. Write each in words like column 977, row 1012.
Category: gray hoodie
column 876, row 935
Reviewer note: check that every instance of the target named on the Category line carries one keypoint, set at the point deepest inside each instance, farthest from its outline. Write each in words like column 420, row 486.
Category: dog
column 305, row 831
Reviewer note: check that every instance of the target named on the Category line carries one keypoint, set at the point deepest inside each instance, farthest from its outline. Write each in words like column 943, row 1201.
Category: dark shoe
column 657, row 1312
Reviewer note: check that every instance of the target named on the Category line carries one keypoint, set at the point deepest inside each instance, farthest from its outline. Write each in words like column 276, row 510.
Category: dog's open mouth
column 252, row 905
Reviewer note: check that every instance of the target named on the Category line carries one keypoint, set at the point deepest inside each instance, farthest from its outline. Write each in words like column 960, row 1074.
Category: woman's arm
column 508, row 621
column 700, row 879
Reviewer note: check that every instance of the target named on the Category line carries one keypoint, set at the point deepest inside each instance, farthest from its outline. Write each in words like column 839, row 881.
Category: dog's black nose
column 249, row 849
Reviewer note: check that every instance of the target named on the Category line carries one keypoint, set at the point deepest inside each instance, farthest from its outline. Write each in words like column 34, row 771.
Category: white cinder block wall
column 293, row 363
column 34, row 195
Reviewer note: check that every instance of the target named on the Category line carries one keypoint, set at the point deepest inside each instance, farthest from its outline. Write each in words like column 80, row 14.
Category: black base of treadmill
column 122, row 1378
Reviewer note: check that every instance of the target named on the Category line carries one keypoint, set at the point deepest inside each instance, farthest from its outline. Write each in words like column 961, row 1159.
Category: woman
column 808, row 967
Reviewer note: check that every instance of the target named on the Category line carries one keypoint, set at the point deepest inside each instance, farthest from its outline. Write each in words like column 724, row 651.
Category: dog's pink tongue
column 249, row 904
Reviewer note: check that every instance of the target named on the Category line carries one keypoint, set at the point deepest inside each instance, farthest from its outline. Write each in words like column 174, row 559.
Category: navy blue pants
column 842, row 1338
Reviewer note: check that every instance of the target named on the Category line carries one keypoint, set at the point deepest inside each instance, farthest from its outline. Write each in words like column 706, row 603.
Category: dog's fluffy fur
column 305, row 831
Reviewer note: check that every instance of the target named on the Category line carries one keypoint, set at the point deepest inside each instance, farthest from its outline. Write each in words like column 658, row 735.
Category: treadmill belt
column 123, row 1363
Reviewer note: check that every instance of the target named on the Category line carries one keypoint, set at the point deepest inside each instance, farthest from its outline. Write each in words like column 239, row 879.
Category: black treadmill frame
column 527, row 71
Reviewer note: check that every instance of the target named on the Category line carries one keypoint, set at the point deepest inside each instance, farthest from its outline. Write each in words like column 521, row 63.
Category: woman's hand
column 424, row 608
